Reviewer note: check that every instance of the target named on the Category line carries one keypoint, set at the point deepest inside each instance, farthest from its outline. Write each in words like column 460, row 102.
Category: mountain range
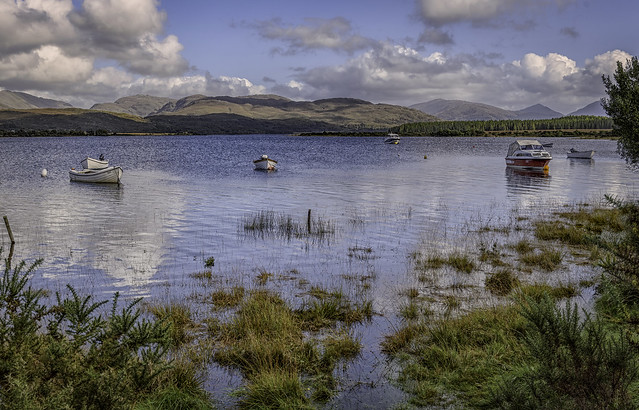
column 199, row 114
column 459, row 110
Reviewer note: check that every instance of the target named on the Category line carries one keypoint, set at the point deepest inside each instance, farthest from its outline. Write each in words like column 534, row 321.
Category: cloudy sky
column 507, row 53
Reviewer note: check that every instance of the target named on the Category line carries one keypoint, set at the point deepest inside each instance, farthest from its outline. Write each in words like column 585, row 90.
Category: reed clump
column 459, row 261
column 545, row 259
column 266, row 341
column 279, row 225
column 502, row 282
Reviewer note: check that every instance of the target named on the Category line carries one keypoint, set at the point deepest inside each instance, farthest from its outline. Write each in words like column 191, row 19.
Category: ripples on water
column 184, row 199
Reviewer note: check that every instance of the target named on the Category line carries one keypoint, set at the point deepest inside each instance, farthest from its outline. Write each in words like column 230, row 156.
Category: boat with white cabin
column 92, row 163
column 573, row 153
column 527, row 154
column 108, row 175
column 265, row 163
column 392, row 138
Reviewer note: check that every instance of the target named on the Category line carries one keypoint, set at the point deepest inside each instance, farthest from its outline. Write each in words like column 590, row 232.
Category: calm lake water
column 186, row 198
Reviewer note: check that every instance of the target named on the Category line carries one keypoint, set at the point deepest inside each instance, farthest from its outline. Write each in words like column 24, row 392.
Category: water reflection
column 520, row 180
column 581, row 162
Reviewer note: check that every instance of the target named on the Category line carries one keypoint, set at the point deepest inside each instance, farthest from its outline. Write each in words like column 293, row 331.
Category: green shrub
column 573, row 363
column 74, row 355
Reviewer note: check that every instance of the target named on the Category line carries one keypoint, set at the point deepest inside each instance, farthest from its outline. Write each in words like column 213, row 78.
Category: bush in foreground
column 70, row 355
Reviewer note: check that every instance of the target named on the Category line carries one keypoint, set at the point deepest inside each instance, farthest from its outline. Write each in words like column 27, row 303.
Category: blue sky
column 507, row 53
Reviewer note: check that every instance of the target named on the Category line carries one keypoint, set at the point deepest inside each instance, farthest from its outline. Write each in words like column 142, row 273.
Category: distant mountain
column 24, row 101
column 198, row 114
column 459, row 110
column 537, row 112
column 341, row 113
column 141, row 105
column 594, row 108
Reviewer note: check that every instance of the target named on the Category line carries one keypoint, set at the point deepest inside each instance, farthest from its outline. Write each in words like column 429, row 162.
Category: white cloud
column 26, row 25
column 48, row 45
column 46, row 67
column 400, row 75
column 333, row 34
column 441, row 12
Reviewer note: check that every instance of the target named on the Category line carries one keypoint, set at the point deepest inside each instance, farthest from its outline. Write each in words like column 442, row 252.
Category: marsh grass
column 459, row 261
column 325, row 309
column 526, row 354
column 502, row 282
column 265, row 340
column 523, row 247
column 456, row 357
column 223, row 299
column 269, row 223
column 263, row 277
column 491, row 255
column 203, row 275
column 409, row 311
column 361, row 253
column 545, row 259
column 179, row 318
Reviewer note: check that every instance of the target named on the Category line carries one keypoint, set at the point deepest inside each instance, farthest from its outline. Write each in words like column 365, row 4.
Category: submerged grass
column 516, row 354
column 270, row 223
column 266, row 340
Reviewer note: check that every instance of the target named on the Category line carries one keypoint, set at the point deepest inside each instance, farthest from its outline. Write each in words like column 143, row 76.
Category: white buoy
column 44, row 173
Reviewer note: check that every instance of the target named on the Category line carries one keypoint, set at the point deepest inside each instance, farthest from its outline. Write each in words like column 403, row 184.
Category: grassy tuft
column 502, row 282
column 547, row 259
column 223, row 299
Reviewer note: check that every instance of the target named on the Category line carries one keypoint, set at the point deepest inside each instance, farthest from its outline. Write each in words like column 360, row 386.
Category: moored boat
column 573, row 153
column 265, row 163
column 92, row 163
column 527, row 154
column 109, row 175
column 392, row 138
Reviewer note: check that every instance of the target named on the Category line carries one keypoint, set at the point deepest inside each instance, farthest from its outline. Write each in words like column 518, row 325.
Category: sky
column 508, row 53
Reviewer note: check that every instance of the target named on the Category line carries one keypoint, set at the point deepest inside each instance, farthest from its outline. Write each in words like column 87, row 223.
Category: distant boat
column 527, row 154
column 392, row 139
column 109, row 175
column 92, row 163
column 265, row 163
column 547, row 145
column 573, row 153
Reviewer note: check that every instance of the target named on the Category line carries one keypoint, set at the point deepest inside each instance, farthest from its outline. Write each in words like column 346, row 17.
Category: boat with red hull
column 528, row 154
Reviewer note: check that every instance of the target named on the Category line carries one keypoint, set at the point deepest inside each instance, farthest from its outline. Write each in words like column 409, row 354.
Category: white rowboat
column 573, row 153
column 109, row 175
column 265, row 163
column 92, row 163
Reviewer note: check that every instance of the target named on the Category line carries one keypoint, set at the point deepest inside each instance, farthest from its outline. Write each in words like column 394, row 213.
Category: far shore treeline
column 570, row 126
column 564, row 126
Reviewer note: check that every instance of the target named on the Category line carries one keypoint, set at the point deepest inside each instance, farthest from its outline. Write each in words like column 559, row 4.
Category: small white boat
column 92, row 163
column 265, row 163
column 573, row 153
column 109, row 175
column 527, row 154
column 392, row 138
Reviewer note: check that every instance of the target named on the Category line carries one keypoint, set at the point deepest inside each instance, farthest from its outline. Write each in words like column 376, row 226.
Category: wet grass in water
column 265, row 341
column 269, row 223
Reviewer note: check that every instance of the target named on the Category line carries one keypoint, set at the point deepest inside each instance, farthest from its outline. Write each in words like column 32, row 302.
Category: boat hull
column 527, row 163
column 92, row 163
column 581, row 154
column 265, row 164
column 110, row 175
